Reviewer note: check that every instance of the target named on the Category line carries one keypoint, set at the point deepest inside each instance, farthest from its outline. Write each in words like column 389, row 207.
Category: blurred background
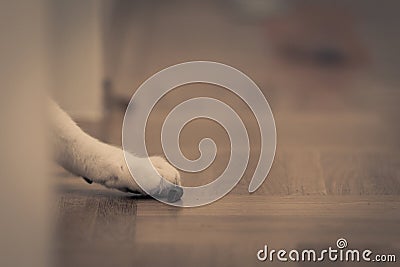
column 329, row 70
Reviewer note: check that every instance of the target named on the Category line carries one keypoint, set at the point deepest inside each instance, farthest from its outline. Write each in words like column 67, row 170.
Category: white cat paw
column 166, row 170
column 115, row 174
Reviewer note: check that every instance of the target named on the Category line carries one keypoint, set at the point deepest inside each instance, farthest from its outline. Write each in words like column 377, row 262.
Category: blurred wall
column 76, row 56
column 25, row 197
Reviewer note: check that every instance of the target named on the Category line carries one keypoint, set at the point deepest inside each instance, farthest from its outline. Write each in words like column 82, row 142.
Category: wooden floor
column 337, row 168
column 101, row 228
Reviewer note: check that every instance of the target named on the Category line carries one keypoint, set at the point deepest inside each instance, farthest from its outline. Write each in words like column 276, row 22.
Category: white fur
column 101, row 163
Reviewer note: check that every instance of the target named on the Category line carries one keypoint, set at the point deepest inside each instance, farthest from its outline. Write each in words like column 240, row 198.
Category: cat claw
column 175, row 194
column 170, row 193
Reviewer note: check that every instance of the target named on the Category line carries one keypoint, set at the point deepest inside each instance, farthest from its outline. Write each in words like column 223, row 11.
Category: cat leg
column 104, row 164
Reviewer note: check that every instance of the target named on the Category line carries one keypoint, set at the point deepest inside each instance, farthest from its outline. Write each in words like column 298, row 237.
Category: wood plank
column 228, row 232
